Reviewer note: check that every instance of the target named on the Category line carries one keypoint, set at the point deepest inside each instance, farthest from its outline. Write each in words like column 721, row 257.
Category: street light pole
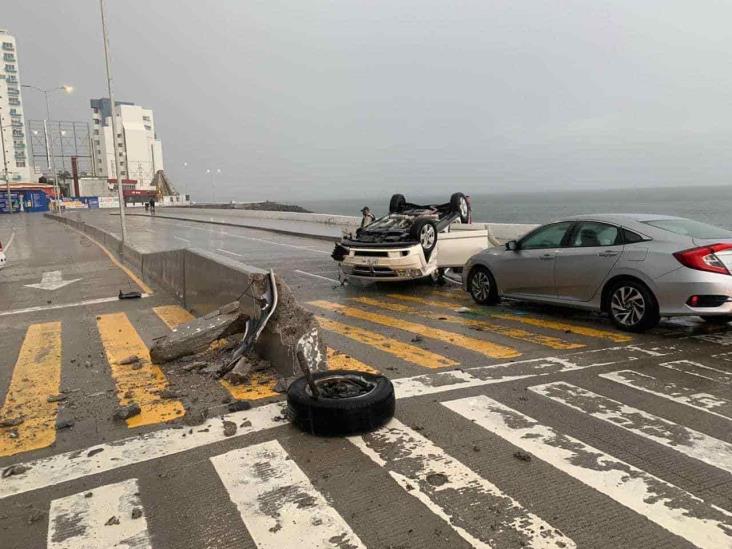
column 213, row 181
column 118, row 167
column 5, row 164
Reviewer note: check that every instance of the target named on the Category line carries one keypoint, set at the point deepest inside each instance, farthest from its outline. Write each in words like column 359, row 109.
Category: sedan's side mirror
column 512, row 246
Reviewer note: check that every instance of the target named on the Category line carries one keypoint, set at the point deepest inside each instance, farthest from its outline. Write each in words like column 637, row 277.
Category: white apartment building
column 140, row 151
column 11, row 113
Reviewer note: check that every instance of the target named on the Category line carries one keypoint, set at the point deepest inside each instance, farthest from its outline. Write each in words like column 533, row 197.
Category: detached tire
column 346, row 415
column 397, row 203
column 459, row 205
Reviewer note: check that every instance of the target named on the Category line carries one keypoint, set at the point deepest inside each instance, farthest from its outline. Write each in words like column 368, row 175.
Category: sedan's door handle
column 547, row 257
column 608, row 253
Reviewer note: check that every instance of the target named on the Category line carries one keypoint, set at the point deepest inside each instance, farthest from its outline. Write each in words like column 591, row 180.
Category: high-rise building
column 11, row 113
column 140, row 150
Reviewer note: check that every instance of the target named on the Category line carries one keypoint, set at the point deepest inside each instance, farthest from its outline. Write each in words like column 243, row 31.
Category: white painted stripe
column 277, row 502
column 72, row 465
column 272, row 242
column 674, row 509
column 102, row 519
column 10, row 241
column 448, row 488
column 699, row 370
column 63, row 305
column 724, row 338
column 81, row 463
column 694, row 444
column 317, row 276
column 705, row 402
column 228, row 252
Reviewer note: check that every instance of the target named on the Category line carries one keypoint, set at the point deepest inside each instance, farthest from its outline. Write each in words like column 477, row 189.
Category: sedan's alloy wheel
column 427, row 238
column 628, row 305
column 480, row 286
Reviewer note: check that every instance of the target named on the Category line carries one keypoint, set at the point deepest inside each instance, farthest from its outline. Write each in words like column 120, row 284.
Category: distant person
column 152, row 205
column 147, row 206
column 368, row 218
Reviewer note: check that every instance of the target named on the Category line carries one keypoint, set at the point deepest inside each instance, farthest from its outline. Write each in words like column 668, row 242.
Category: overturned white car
column 412, row 241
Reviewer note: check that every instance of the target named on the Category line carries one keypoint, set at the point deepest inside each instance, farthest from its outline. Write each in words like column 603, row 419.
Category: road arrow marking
column 52, row 280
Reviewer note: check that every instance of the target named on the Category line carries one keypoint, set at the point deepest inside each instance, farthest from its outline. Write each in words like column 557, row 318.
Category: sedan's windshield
column 688, row 227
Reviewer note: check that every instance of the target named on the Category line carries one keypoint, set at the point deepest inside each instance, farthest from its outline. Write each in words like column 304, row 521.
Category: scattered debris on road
column 229, row 428
column 125, row 412
column 13, row 470
column 522, row 456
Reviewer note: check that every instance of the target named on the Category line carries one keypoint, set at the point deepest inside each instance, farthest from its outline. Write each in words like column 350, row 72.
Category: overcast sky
column 297, row 99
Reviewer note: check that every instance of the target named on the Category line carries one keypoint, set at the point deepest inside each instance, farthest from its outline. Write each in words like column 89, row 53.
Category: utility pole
column 5, row 164
column 120, row 192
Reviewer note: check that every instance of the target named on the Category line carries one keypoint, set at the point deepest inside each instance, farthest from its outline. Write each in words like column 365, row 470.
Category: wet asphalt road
column 515, row 426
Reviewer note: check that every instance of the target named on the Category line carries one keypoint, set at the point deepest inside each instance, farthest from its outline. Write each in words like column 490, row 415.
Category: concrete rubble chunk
column 132, row 359
column 195, row 336
column 229, row 428
column 11, row 422
column 125, row 412
column 241, row 372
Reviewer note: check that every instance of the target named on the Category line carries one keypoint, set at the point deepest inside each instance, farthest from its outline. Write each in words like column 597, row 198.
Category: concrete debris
column 437, row 479
column 239, row 406
column 283, row 384
column 112, row 521
column 136, row 365
column 229, row 428
column 417, row 339
column 94, row 452
column 132, row 359
column 64, row 424
column 196, row 336
column 241, row 372
column 463, row 310
column 193, row 366
column 14, row 470
column 88, row 495
column 136, row 513
column 57, row 398
column 125, row 412
column 11, row 422
column 169, row 393
column 522, row 456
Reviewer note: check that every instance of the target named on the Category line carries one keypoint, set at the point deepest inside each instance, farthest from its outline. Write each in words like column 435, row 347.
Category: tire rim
column 628, row 306
column 480, row 286
column 427, row 236
column 463, row 208
column 340, row 386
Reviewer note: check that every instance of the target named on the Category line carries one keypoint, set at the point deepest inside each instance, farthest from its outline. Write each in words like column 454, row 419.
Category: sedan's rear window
column 688, row 227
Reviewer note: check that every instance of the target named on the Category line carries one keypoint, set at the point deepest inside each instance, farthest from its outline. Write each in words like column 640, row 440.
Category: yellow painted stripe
column 144, row 287
column 121, row 340
column 261, row 384
column 480, row 325
column 528, row 320
column 173, row 315
column 341, row 361
column 486, row 348
column 405, row 351
column 37, row 375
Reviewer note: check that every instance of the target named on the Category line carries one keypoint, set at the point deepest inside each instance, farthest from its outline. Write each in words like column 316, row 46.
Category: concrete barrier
column 204, row 281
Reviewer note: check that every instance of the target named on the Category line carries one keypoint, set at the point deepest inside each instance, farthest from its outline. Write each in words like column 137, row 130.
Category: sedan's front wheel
column 632, row 306
column 482, row 286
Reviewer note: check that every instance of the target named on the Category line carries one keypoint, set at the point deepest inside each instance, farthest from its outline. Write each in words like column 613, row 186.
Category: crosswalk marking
column 447, row 487
column 705, row 402
column 278, row 504
column 699, row 370
column 341, row 361
column 99, row 458
column 261, row 384
column 682, row 439
column 481, row 325
column 143, row 385
column 540, row 322
column 173, row 315
column 486, row 348
column 405, row 351
column 36, row 377
column 674, row 509
column 108, row 516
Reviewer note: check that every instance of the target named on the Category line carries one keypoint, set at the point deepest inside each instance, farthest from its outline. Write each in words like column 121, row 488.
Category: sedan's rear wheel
column 482, row 286
column 632, row 306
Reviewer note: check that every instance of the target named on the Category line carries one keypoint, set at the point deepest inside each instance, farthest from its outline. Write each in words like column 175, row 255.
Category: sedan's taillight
column 704, row 258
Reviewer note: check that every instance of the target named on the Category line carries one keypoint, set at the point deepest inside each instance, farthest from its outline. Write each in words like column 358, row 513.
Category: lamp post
column 5, row 164
column 49, row 157
column 213, row 180
column 120, row 193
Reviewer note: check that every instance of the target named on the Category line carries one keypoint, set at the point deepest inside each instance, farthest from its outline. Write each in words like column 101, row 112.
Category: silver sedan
column 635, row 267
